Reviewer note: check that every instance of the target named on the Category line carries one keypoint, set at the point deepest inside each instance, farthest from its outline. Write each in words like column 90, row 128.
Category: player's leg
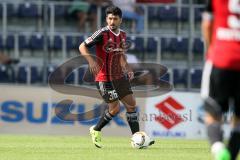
column 213, row 122
column 132, row 115
column 110, row 112
column 108, row 94
column 215, row 91
column 234, row 140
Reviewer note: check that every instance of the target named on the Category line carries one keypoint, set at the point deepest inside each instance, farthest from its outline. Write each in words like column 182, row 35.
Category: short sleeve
column 94, row 39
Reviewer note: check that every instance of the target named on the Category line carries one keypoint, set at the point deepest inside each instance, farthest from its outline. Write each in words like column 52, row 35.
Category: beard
column 113, row 28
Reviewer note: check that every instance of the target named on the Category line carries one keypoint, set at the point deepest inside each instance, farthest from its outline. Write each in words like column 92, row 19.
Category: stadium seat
column 25, row 71
column 1, row 11
column 56, row 44
column 198, row 14
column 50, row 70
column 165, row 77
column 73, row 42
column 36, row 42
column 22, row 42
column 69, row 41
column 79, row 40
column 164, row 45
column 198, row 46
column 6, row 74
column 81, row 73
column 179, row 44
column 28, row 10
column 180, row 77
column 152, row 12
column 184, row 16
column 10, row 42
column 137, row 44
column 1, row 42
column 196, row 76
column 70, row 78
column 22, row 74
column 10, row 10
column 60, row 11
column 167, row 13
column 152, row 45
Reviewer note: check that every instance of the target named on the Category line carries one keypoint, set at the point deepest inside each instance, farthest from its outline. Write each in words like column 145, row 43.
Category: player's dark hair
column 114, row 10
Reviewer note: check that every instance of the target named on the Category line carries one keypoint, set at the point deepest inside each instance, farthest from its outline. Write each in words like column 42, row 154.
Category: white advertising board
column 176, row 115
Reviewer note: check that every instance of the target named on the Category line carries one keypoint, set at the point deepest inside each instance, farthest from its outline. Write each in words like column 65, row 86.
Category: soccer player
column 112, row 72
column 221, row 76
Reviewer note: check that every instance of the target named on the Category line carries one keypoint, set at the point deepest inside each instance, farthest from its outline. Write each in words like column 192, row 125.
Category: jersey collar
column 116, row 34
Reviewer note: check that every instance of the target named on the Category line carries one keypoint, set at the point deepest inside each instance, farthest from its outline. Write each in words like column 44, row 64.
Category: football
column 140, row 140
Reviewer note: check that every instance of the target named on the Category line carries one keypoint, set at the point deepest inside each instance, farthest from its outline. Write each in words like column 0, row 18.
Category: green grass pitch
column 21, row 147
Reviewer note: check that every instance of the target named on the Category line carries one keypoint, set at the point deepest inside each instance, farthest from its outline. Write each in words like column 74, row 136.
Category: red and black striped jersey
column 109, row 51
column 224, row 50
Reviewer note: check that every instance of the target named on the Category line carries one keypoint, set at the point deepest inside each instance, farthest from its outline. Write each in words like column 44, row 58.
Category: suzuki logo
column 169, row 118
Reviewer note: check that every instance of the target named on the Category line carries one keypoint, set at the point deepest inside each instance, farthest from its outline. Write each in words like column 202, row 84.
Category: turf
column 14, row 147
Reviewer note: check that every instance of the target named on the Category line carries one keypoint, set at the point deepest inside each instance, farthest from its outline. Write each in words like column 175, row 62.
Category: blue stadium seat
column 10, row 10
column 4, row 77
column 164, row 45
column 184, row 16
column 81, row 73
column 137, row 44
column 34, row 74
column 10, row 42
column 22, row 42
column 70, row 78
column 179, row 44
column 152, row 45
column 167, row 13
column 1, row 11
column 180, row 77
column 60, row 11
column 198, row 14
column 70, row 42
column 196, row 76
column 50, row 69
column 166, row 77
column 79, row 40
column 198, row 46
column 28, row 10
column 1, row 42
column 152, row 12
column 56, row 44
column 36, row 42
column 24, row 72
column 73, row 42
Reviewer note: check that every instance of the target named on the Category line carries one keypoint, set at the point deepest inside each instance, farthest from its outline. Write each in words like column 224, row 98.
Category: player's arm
column 83, row 48
column 207, row 24
column 126, row 67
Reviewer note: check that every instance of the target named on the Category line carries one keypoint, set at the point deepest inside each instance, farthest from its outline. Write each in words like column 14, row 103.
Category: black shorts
column 223, row 87
column 114, row 90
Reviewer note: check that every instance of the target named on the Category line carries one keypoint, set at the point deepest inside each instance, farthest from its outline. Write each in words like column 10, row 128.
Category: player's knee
column 236, row 122
column 131, row 108
column 132, row 104
column 213, row 111
column 114, row 110
column 209, row 119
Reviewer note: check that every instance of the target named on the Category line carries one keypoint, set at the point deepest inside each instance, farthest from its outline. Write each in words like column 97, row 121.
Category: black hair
column 114, row 10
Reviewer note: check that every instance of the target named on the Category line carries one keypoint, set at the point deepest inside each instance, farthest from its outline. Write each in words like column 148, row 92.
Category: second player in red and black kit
column 221, row 76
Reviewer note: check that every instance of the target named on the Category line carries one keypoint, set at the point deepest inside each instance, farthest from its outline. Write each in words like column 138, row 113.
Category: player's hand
column 94, row 67
column 130, row 75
